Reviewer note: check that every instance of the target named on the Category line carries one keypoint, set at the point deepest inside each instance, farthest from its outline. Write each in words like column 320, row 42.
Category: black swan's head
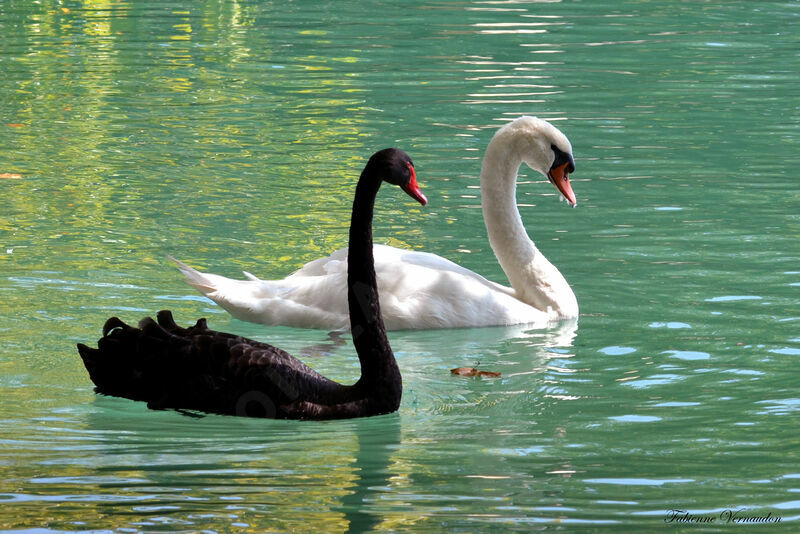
column 394, row 166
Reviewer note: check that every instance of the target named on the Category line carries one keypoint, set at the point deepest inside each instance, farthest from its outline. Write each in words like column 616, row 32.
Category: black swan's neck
column 378, row 367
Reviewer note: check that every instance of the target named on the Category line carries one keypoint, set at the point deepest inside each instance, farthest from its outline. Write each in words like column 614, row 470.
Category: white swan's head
column 543, row 148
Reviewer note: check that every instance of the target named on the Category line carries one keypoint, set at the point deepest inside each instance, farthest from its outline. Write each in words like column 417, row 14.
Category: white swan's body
column 420, row 290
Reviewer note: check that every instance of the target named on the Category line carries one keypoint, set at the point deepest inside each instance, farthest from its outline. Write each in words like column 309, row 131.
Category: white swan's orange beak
column 412, row 188
column 559, row 177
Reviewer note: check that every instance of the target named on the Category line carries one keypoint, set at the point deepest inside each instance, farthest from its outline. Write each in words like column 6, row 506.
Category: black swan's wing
column 197, row 368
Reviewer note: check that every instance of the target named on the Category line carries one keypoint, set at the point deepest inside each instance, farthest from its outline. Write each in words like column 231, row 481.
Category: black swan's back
column 201, row 369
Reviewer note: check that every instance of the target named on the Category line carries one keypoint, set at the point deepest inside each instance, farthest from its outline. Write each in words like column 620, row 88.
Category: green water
column 230, row 134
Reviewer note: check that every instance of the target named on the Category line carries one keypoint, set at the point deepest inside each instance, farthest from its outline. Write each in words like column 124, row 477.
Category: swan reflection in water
column 242, row 465
column 557, row 335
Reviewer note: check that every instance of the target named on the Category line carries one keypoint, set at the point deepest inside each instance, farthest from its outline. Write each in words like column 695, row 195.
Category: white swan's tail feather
column 201, row 282
column 228, row 292
column 251, row 277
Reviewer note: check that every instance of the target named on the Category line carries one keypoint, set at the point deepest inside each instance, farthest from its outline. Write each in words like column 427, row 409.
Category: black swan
column 200, row 369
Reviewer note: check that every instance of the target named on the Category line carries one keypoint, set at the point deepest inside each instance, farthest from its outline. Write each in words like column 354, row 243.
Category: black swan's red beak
column 412, row 188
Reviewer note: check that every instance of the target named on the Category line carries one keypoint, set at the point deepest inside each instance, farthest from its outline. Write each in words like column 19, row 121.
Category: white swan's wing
column 417, row 290
column 421, row 290
column 442, row 265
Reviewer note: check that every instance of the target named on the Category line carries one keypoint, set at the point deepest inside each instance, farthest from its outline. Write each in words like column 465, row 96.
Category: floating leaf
column 11, row 175
column 471, row 371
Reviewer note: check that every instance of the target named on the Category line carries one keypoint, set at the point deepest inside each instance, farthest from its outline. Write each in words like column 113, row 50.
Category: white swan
column 421, row 290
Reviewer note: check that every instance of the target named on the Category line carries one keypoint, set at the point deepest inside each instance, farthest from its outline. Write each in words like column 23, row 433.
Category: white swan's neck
column 535, row 280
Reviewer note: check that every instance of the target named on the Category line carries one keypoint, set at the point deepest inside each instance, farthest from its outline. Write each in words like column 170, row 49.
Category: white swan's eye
column 561, row 158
